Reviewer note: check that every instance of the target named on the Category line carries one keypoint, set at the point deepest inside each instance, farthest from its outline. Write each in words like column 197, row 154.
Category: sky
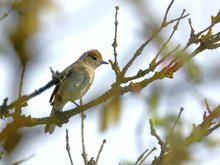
column 65, row 34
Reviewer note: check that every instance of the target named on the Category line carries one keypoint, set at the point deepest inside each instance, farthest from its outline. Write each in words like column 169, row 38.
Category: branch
column 118, row 88
column 100, row 151
column 163, row 145
column 115, row 65
column 205, row 128
column 23, row 160
column 164, row 24
column 18, row 108
column 9, row 11
column 195, row 38
column 144, row 156
column 56, row 77
column 167, row 148
column 176, row 145
column 174, row 125
column 68, row 147
column 27, row 121
column 84, row 154
column 154, row 64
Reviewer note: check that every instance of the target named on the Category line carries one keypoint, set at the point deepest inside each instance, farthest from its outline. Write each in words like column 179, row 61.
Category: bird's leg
column 75, row 103
column 81, row 101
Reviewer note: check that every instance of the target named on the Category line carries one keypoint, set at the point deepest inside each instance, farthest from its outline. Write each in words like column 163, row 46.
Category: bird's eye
column 94, row 58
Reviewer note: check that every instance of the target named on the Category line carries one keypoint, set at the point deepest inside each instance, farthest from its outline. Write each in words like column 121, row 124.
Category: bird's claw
column 63, row 118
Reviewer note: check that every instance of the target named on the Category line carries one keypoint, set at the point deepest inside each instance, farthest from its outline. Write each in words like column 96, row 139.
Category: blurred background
column 40, row 34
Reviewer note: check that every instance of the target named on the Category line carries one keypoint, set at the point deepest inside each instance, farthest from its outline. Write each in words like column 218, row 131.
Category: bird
column 75, row 82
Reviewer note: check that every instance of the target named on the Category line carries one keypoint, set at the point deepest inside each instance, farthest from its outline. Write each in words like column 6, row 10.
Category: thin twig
column 68, row 147
column 207, row 106
column 195, row 38
column 145, row 157
column 176, row 19
column 208, row 42
column 174, row 125
column 21, row 80
column 163, row 145
column 23, row 160
column 139, row 51
column 9, row 11
column 175, row 27
column 167, row 56
column 141, row 156
column 28, row 121
column 115, row 44
column 115, row 65
column 154, row 34
column 18, row 108
column 83, row 116
column 167, row 11
column 214, row 128
column 203, row 129
column 154, row 64
column 25, row 98
column 91, row 162
column 100, row 150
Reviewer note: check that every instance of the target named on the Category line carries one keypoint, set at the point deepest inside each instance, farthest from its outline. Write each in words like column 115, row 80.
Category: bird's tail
column 56, row 108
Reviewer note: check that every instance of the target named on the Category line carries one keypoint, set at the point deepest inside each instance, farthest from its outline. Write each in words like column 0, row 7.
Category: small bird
column 77, row 79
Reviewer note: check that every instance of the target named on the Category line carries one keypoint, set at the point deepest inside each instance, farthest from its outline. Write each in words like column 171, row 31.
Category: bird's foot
column 63, row 118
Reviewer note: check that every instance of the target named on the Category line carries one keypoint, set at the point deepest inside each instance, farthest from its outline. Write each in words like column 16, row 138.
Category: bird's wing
column 76, row 77
column 54, row 92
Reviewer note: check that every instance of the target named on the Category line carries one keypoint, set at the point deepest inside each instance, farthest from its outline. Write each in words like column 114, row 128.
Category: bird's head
column 93, row 57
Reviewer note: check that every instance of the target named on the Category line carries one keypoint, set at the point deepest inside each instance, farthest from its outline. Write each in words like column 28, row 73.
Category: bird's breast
column 78, row 84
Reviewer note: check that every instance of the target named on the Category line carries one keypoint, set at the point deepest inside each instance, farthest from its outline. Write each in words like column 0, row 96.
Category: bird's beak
column 104, row 62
